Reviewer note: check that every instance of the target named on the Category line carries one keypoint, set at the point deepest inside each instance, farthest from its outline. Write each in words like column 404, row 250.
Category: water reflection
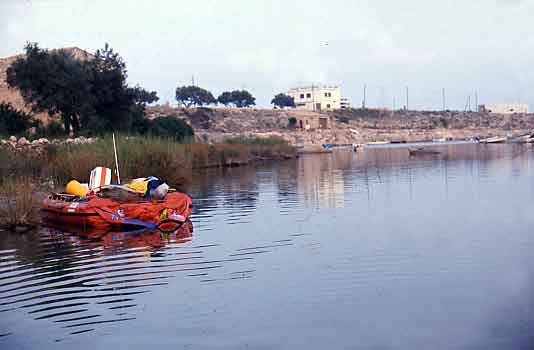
column 82, row 279
column 376, row 249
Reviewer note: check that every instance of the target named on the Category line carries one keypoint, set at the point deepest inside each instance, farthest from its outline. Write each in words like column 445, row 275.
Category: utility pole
column 192, row 80
column 364, row 102
column 443, row 98
column 407, row 98
column 476, row 101
column 394, row 104
column 469, row 102
column 313, row 98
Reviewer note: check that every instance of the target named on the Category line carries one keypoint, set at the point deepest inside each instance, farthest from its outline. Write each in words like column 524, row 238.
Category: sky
column 482, row 48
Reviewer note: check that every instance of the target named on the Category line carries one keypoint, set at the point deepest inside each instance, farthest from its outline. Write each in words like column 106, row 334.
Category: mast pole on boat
column 116, row 160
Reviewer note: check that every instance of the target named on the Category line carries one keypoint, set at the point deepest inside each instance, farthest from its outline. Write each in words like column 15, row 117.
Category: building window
column 328, row 105
column 326, row 94
column 301, row 95
column 308, row 95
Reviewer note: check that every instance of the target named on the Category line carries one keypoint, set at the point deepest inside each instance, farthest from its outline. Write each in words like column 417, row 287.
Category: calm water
column 373, row 250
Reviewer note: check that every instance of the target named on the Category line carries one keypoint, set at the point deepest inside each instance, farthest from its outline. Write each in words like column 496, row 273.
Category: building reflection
column 320, row 182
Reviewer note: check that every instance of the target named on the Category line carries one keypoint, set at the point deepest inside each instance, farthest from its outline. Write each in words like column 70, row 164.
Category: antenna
column 313, row 97
column 116, row 159
column 364, row 103
column 467, row 103
column 443, row 97
column 407, row 98
column 192, row 80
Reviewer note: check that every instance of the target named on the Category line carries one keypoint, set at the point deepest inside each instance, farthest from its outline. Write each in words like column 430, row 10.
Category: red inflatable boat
column 100, row 212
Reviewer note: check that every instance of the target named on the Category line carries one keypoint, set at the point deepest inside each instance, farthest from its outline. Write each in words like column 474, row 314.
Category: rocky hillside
column 348, row 126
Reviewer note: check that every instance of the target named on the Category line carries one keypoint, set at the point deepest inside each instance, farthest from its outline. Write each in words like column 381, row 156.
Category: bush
column 18, row 207
column 171, row 127
column 291, row 122
column 53, row 129
column 13, row 121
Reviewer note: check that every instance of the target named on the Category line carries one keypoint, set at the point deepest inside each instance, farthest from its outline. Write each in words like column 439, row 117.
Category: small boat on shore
column 527, row 138
column 494, row 139
column 146, row 203
column 98, row 211
column 422, row 151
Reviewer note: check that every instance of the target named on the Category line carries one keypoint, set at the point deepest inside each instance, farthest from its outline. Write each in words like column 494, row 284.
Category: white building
column 504, row 108
column 316, row 98
column 344, row 103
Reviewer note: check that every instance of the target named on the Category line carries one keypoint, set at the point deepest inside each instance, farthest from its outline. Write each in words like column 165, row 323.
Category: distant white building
column 316, row 98
column 345, row 103
column 504, row 108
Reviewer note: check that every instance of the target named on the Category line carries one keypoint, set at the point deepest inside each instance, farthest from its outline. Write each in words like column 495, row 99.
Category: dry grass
column 164, row 158
column 18, row 207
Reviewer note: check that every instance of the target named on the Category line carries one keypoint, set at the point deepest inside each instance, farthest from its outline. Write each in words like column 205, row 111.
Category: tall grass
column 17, row 204
column 22, row 173
column 16, row 164
column 164, row 158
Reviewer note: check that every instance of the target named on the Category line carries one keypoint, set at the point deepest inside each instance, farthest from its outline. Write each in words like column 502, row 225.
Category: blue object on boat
column 328, row 145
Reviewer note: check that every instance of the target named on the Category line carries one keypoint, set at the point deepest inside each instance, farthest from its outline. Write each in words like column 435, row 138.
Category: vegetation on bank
column 13, row 121
column 25, row 174
column 18, row 207
column 89, row 94
column 138, row 157
column 282, row 100
column 192, row 95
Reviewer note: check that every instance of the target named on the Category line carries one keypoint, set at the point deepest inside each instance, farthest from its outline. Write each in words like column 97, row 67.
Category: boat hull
column 104, row 213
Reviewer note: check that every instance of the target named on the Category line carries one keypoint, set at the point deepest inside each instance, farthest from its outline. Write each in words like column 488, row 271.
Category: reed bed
column 164, row 158
column 25, row 175
column 18, row 207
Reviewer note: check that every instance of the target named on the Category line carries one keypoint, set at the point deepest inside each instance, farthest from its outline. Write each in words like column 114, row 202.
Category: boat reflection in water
column 112, row 242
column 78, row 280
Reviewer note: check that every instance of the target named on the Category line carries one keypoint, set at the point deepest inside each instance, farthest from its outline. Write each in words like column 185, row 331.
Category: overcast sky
column 269, row 46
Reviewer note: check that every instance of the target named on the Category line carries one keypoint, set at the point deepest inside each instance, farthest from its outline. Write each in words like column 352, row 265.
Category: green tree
column 282, row 100
column 239, row 98
column 91, row 95
column 243, row 98
column 53, row 82
column 194, row 96
column 116, row 106
column 13, row 121
column 225, row 98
